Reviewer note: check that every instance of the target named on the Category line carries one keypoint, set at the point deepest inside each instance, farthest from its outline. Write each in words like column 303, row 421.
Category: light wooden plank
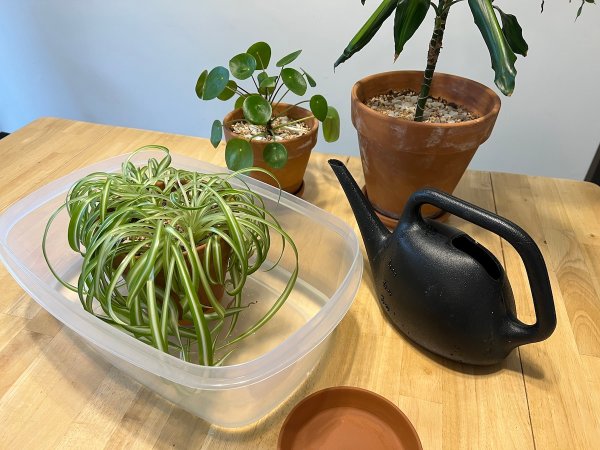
column 557, row 392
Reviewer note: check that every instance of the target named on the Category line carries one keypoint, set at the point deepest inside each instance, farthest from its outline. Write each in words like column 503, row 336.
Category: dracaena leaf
column 513, row 33
column 368, row 30
column 409, row 17
column 503, row 58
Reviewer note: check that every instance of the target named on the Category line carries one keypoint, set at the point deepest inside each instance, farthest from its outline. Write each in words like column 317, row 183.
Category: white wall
column 135, row 63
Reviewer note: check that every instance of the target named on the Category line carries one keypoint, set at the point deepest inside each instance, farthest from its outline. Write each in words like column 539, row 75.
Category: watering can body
column 441, row 288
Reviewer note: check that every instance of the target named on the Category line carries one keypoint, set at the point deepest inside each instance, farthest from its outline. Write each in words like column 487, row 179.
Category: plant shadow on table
column 515, row 361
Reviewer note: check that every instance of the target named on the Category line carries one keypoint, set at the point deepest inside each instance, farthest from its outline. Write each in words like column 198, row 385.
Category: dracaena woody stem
column 435, row 45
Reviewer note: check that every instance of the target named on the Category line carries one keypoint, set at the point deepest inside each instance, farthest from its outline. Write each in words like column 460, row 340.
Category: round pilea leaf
column 275, row 154
column 262, row 54
column 318, row 106
column 256, row 109
column 288, row 58
column 238, row 154
column 216, row 81
column 200, row 84
column 216, row 133
column 331, row 125
column 242, row 66
column 294, row 81
column 311, row 80
column 229, row 91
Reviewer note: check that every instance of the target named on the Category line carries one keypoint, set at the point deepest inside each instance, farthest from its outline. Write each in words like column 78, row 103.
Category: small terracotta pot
column 218, row 290
column 402, row 156
column 292, row 174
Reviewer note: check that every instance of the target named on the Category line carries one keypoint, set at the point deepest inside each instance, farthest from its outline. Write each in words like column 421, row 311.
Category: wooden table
column 55, row 394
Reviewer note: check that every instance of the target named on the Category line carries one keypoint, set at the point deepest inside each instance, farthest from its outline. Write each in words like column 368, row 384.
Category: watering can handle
column 529, row 252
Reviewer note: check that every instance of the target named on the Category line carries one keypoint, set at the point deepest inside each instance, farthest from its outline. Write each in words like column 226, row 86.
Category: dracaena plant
column 259, row 98
column 501, row 32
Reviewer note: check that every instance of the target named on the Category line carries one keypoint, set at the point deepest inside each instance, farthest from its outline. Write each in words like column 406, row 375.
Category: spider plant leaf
column 216, row 82
column 257, row 109
column 242, row 66
column 229, row 91
column 318, row 106
column 238, row 154
column 275, row 154
column 287, row 59
column 513, row 33
column 503, row 58
column 216, row 133
column 262, row 54
column 409, row 17
column 368, row 30
column 294, row 81
column 331, row 125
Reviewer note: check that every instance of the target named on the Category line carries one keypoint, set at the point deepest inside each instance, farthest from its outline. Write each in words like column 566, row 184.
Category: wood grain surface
column 54, row 393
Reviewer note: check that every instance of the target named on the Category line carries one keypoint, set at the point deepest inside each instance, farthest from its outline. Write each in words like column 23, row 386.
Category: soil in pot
column 291, row 176
column 400, row 157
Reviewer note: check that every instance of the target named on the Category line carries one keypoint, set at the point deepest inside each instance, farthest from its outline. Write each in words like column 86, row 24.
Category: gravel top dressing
column 403, row 105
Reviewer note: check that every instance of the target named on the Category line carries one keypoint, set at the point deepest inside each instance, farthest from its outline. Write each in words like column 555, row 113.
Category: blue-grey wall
column 135, row 63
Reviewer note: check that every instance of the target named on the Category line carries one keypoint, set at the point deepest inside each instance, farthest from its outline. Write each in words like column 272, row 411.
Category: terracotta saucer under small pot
column 291, row 176
column 347, row 418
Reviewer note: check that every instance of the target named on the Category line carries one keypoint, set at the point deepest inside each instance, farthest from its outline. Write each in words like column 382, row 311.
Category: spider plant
column 139, row 232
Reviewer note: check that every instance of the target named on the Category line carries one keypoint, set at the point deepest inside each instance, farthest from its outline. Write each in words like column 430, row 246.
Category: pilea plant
column 259, row 99
column 503, row 42
column 155, row 243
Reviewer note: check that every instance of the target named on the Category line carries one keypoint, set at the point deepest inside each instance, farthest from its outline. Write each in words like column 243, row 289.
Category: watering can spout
column 373, row 231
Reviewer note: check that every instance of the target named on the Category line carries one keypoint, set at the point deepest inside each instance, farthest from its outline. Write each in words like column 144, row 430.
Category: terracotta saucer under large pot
column 401, row 156
column 291, row 176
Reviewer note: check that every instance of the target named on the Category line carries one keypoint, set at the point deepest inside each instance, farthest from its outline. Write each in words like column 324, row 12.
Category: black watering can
column 440, row 287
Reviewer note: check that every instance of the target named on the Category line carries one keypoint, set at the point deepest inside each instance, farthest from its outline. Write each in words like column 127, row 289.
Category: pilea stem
column 435, row 45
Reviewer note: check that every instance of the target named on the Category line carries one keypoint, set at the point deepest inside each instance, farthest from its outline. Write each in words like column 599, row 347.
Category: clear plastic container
column 268, row 366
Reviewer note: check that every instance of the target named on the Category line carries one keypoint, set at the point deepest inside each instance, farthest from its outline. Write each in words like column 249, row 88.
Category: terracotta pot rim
column 314, row 124
column 364, row 109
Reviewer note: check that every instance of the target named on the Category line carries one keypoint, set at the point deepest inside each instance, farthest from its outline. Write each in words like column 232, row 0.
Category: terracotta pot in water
column 291, row 176
column 400, row 157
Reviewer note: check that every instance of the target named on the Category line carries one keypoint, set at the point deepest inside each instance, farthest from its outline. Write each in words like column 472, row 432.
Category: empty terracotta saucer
column 347, row 418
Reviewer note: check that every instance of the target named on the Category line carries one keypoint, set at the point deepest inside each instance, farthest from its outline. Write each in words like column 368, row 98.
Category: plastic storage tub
column 268, row 367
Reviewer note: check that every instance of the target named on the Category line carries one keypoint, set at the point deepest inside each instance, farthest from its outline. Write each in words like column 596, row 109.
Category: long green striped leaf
column 409, row 17
column 368, row 30
column 503, row 58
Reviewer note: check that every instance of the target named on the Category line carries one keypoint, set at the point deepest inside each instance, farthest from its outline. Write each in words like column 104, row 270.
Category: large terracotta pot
column 401, row 156
column 292, row 174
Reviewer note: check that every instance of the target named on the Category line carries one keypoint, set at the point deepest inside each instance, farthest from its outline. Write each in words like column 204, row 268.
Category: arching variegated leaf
column 503, row 58
column 513, row 33
column 368, row 30
column 409, row 17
